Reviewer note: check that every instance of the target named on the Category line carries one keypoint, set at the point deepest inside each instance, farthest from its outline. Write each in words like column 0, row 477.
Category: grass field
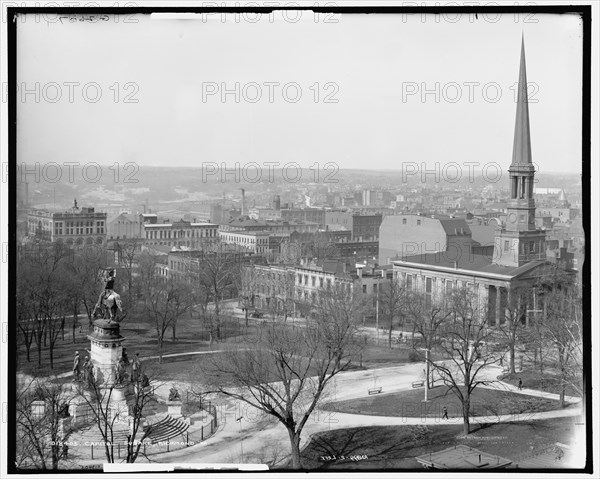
column 395, row 447
column 533, row 379
column 191, row 337
column 484, row 402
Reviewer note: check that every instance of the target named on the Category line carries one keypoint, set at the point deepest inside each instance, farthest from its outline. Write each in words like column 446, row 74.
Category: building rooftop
column 462, row 457
column 467, row 263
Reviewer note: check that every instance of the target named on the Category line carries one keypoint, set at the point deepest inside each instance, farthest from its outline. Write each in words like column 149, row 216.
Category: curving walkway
column 250, row 437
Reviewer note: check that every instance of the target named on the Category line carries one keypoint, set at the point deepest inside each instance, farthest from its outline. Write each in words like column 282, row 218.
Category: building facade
column 77, row 227
column 179, row 234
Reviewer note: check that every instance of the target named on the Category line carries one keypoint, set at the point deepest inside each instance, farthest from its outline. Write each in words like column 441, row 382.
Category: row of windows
column 527, row 246
column 172, row 234
column 79, row 228
column 313, row 280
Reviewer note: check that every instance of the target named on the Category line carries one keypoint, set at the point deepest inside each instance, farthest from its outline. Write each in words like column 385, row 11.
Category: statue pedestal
column 80, row 409
column 174, row 408
column 107, row 349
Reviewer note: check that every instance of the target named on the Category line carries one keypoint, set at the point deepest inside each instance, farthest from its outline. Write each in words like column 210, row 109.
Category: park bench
column 374, row 391
column 418, row 384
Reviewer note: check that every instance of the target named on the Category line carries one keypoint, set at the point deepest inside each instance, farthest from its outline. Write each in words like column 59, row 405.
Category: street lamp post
column 377, row 312
column 426, row 383
column 239, row 419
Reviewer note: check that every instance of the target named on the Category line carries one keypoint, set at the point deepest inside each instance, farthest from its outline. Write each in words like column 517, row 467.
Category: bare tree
column 515, row 314
column 100, row 398
column 127, row 252
column 247, row 288
column 285, row 375
column 216, row 275
column 428, row 316
column 465, row 333
column 562, row 325
column 392, row 303
column 41, row 434
column 43, row 295
column 166, row 303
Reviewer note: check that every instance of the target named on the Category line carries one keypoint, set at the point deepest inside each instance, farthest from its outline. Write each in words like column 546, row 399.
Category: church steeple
column 522, row 141
column 521, row 207
column 519, row 241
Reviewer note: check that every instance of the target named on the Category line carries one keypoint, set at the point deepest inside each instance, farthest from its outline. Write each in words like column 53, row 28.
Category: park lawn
column 140, row 337
column 395, row 447
column 533, row 379
column 484, row 402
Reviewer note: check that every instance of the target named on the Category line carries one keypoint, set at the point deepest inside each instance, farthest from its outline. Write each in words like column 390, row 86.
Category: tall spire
column 522, row 142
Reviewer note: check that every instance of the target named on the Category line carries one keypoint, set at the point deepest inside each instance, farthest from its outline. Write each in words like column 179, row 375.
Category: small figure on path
column 520, row 386
column 444, row 412
column 76, row 367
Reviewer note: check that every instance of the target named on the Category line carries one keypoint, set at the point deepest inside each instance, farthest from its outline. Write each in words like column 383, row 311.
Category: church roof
column 467, row 264
column 522, row 141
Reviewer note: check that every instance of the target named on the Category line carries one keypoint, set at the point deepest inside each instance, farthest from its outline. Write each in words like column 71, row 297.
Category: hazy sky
column 372, row 64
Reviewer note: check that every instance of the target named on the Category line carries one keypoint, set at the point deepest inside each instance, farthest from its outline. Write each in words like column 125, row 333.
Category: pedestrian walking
column 520, row 384
column 444, row 412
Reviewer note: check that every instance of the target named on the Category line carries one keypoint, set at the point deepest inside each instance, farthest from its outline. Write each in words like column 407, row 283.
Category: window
column 409, row 282
column 506, row 245
column 306, row 279
column 364, row 287
column 418, row 222
column 321, row 282
column 403, row 221
column 313, row 281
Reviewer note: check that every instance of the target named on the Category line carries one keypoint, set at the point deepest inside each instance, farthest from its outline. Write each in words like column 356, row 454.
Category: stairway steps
column 167, row 428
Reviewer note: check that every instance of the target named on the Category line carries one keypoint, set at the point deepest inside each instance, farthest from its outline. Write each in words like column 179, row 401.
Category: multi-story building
column 244, row 223
column 267, row 285
column 365, row 227
column 76, row 227
column 180, row 233
column 125, row 226
column 407, row 235
column 253, row 241
column 313, row 215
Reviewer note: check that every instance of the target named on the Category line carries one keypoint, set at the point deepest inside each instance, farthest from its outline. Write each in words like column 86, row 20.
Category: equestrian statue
column 109, row 302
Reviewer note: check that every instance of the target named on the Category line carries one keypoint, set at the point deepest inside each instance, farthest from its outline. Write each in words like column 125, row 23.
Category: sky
column 363, row 84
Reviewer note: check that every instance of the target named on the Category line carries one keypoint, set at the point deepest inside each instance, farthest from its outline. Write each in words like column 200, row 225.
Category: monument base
column 174, row 408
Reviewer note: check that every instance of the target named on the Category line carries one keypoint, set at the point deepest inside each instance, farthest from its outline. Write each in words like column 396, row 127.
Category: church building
column 519, row 249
